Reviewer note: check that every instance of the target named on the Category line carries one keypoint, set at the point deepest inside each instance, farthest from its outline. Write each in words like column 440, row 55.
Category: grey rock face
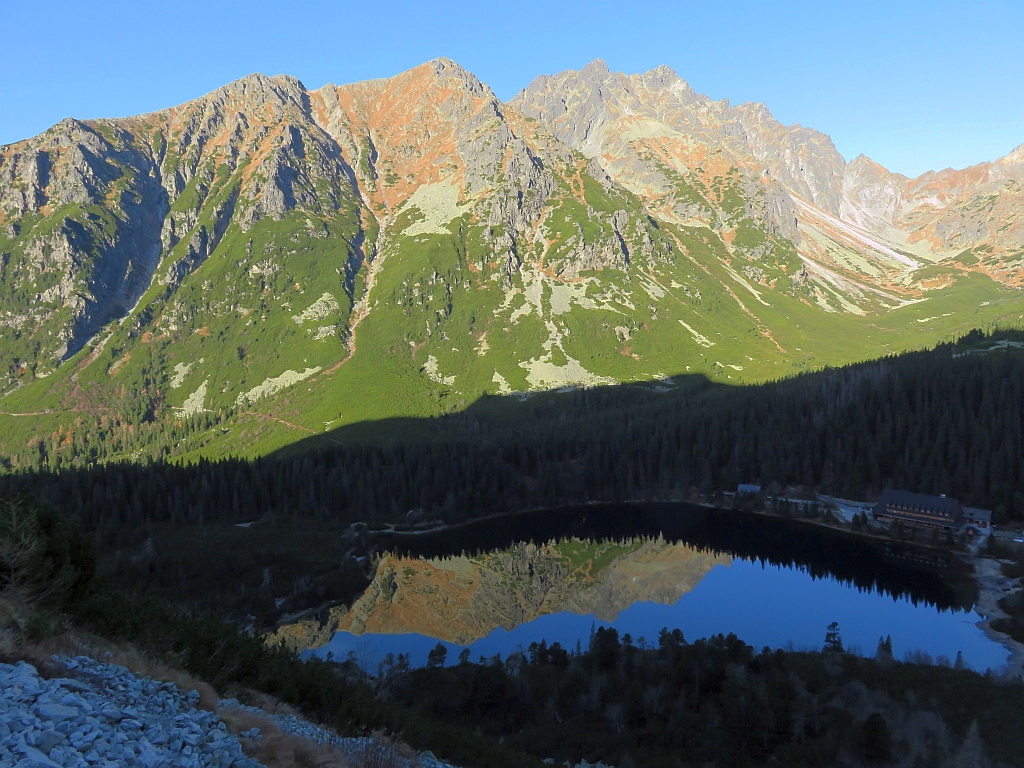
column 803, row 160
column 947, row 211
column 619, row 119
column 91, row 209
column 96, row 263
column 872, row 195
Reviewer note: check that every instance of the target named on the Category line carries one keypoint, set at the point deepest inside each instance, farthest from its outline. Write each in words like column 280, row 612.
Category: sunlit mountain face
column 268, row 262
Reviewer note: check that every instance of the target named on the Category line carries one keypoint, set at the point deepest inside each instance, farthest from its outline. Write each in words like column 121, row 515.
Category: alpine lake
column 495, row 586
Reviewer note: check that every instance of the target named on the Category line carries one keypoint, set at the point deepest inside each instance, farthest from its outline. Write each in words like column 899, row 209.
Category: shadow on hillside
column 825, row 394
column 943, row 421
column 937, row 421
column 499, row 416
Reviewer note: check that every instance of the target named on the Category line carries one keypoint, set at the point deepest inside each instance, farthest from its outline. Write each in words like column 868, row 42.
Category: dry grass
column 9, row 641
column 253, row 698
column 386, row 752
column 76, row 643
column 140, row 664
column 279, row 749
column 400, row 748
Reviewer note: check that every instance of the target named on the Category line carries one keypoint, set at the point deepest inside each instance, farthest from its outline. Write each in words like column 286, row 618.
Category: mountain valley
column 267, row 263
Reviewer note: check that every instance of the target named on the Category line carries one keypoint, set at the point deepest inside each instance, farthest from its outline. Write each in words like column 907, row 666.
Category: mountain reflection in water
column 463, row 598
column 780, row 585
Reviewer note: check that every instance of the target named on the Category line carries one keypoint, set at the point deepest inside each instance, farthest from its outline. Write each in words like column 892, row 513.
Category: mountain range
column 269, row 262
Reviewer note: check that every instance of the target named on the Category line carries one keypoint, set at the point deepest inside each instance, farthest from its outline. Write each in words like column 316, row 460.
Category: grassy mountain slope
column 266, row 262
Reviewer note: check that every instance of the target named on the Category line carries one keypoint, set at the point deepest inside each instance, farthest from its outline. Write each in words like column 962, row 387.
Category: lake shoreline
column 993, row 585
column 837, row 527
column 985, row 573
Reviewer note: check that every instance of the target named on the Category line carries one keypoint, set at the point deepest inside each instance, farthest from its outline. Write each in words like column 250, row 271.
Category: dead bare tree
column 20, row 546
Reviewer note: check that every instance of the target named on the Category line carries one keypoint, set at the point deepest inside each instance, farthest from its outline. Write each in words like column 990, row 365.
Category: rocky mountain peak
column 595, row 70
column 862, row 159
column 664, row 77
column 571, row 104
column 288, row 81
column 755, row 110
column 65, row 125
column 621, row 119
column 426, row 126
column 451, row 72
column 250, row 92
column 664, row 72
column 1016, row 157
column 863, row 165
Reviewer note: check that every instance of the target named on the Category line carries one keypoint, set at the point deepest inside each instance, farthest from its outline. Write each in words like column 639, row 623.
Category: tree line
column 717, row 700
column 939, row 421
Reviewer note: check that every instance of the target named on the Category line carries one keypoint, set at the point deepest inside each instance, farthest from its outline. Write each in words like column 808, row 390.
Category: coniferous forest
column 670, row 702
column 948, row 420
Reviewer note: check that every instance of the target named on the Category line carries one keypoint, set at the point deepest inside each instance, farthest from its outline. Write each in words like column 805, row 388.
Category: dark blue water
column 919, row 573
column 778, row 592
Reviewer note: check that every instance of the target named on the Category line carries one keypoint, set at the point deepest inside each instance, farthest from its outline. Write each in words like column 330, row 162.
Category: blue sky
column 914, row 85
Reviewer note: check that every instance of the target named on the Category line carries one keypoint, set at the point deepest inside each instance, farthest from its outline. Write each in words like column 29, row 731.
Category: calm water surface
column 785, row 583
